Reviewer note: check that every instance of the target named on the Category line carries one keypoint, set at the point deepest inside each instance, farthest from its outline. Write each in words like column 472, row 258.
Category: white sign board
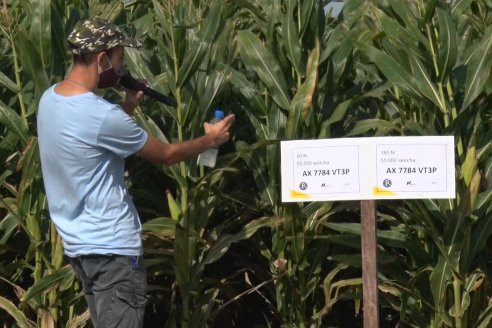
column 368, row 168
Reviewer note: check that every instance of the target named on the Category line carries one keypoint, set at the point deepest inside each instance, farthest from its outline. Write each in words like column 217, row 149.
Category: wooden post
column 370, row 300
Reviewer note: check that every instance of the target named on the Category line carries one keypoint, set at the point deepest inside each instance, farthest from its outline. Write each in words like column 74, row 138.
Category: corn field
column 221, row 249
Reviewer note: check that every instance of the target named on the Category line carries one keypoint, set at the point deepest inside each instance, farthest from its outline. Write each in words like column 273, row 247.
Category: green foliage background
column 221, row 249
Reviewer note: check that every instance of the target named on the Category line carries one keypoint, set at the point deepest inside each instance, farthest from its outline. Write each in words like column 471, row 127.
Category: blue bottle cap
column 219, row 113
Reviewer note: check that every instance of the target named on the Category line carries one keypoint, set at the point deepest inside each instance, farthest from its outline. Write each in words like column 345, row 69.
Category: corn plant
column 288, row 72
column 301, row 85
column 189, row 63
column 192, row 49
column 33, row 268
column 436, row 57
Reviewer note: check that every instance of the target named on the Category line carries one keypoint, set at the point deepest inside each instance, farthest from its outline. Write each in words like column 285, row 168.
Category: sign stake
column 370, row 299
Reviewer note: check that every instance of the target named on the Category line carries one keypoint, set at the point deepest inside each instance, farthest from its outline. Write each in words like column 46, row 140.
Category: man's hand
column 219, row 132
column 132, row 99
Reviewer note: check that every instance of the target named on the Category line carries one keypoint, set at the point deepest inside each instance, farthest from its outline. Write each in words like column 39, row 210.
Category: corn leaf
column 79, row 321
column 18, row 316
column 212, row 85
column 365, row 126
column 29, row 164
column 220, row 247
column 291, row 38
column 249, row 91
column 7, row 227
column 485, row 318
column 255, row 161
column 10, row 119
column 460, row 6
column 40, row 32
column 341, row 56
column 163, row 227
column 469, row 166
column 425, row 84
column 31, row 62
column 402, row 37
column 303, row 100
column 439, row 278
column 448, row 49
column 200, row 45
column 478, row 70
column 46, row 283
column 254, row 53
column 182, row 257
column 393, row 71
column 8, row 83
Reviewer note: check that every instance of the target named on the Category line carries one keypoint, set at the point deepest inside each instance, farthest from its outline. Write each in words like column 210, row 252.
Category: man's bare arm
column 168, row 154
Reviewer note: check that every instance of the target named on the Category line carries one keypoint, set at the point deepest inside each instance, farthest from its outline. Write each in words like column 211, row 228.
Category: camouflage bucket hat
column 95, row 35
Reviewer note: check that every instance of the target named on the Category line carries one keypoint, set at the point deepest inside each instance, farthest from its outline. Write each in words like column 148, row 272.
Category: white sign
column 368, row 168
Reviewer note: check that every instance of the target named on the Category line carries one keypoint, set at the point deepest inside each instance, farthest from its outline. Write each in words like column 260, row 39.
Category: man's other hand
column 219, row 131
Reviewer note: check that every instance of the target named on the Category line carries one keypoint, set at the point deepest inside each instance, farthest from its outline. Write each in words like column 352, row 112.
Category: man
column 83, row 140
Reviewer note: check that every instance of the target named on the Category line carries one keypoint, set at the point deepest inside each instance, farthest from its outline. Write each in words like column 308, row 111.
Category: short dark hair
column 85, row 59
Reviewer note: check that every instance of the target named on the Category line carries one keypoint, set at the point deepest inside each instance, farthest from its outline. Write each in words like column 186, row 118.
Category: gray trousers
column 115, row 287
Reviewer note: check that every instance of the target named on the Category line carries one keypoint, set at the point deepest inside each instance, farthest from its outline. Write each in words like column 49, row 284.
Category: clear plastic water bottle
column 209, row 156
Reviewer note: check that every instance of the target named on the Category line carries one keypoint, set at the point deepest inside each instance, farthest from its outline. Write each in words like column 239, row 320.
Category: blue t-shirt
column 83, row 141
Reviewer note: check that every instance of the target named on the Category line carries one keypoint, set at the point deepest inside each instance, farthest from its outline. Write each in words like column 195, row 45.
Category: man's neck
column 81, row 79
column 84, row 76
